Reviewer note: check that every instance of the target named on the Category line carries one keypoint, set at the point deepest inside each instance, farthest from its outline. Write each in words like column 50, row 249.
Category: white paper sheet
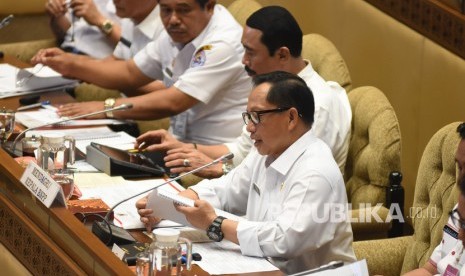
column 126, row 215
column 226, row 258
column 44, row 80
column 48, row 115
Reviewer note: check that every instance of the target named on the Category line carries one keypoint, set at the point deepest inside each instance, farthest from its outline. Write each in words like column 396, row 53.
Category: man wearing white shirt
column 448, row 258
column 199, row 60
column 289, row 188
column 86, row 27
column 272, row 40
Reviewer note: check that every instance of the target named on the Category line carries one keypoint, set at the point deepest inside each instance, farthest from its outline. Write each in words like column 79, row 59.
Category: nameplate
column 42, row 186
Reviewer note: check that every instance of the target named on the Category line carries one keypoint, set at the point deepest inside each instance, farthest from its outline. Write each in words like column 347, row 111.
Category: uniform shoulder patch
column 199, row 57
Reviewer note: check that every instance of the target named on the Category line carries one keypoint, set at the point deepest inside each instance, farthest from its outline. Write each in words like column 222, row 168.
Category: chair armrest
column 365, row 226
column 24, row 51
column 385, row 256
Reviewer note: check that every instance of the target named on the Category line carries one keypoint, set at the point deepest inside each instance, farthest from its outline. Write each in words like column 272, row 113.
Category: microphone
column 116, row 108
column 6, row 21
column 111, row 233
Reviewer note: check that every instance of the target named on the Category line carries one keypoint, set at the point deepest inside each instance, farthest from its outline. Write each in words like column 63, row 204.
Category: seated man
column 448, row 256
column 85, row 27
column 288, row 187
column 141, row 24
column 272, row 40
column 198, row 59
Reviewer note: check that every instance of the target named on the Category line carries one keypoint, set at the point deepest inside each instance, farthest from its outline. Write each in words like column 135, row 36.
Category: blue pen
column 33, row 105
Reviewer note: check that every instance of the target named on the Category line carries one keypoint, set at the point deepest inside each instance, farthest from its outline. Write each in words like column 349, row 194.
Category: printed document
column 225, row 257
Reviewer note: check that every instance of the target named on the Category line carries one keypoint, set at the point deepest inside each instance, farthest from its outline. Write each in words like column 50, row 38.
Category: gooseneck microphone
column 5, row 21
column 110, row 233
column 116, row 108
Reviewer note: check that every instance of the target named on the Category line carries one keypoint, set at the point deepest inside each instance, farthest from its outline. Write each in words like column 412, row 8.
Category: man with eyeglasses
column 272, row 40
column 288, row 188
column 448, row 258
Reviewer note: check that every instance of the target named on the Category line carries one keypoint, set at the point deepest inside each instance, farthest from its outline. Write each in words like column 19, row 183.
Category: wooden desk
column 52, row 241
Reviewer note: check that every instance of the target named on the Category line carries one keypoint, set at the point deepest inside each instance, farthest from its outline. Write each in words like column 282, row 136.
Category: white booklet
column 162, row 203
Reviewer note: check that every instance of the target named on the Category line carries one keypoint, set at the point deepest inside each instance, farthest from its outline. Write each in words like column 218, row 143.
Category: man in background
column 272, row 40
column 84, row 26
column 448, row 258
column 199, row 60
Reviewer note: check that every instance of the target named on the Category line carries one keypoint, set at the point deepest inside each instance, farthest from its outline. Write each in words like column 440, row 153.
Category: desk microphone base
column 118, row 235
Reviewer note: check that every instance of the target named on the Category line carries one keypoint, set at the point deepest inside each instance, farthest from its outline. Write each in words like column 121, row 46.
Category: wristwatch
column 227, row 167
column 108, row 104
column 107, row 26
column 214, row 230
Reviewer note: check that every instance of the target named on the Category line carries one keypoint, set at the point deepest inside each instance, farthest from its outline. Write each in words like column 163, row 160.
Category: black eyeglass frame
column 457, row 220
column 247, row 117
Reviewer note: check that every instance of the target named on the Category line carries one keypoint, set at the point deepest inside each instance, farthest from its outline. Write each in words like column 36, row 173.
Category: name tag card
column 42, row 186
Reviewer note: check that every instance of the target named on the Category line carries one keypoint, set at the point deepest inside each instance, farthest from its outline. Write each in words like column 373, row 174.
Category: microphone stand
column 116, row 108
column 111, row 233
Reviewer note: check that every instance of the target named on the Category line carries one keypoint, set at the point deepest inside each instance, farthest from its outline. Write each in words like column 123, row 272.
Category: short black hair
column 202, row 3
column 279, row 28
column 461, row 183
column 461, row 130
column 289, row 90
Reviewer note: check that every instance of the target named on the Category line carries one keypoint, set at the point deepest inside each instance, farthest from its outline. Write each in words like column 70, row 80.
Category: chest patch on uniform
column 200, row 56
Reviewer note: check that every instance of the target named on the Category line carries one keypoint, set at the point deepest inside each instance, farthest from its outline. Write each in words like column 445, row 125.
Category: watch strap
column 108, row 104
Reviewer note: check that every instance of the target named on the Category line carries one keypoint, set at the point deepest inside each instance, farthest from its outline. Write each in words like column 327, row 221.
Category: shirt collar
column 286, row 160
column 147, row 25
column 308, row 71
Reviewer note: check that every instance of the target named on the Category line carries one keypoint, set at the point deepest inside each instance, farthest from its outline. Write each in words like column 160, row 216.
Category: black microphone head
column 127, row 106
column 227, row 157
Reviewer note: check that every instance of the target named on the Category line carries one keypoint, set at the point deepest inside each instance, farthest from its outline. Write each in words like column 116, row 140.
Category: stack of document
column 33, row 80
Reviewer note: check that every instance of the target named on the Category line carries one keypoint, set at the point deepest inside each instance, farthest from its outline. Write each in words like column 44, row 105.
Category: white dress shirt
column 138, row 35
column 333, row 117
column 208, row 69
column 449, row 251
column 288, row 205
column 90, row 39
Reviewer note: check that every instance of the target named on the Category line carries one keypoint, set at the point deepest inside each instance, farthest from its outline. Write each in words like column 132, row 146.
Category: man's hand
column 200, row 216
column 158, row 140
column 76, row 109
column 56, row 8
column 56, row 59
column 146, row 214
column 87, row 10
column 175, row 160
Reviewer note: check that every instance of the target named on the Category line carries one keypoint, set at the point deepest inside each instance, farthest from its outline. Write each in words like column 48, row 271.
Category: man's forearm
column 213, row 151
column 112, row 74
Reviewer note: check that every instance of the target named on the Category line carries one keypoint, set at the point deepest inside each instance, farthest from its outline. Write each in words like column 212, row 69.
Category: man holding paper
column 289, row 188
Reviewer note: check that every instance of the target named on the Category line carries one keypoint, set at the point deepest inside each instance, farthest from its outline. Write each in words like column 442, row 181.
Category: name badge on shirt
column 255, row 188
column 449, row 239
column 451, row 271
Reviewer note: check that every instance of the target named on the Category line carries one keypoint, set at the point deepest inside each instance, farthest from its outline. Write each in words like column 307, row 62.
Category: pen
column 138, row 149
column 33, row 105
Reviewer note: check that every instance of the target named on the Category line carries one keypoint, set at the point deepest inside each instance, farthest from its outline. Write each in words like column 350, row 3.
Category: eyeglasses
column 254, row 116
column 454, row 216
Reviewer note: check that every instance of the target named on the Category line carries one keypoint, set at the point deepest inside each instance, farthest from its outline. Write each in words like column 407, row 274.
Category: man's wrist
column 106, row 26
column 109, row 104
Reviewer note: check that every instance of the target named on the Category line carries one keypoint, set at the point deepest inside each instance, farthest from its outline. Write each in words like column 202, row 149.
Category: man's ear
column 210, row 5
column 293, row 118
column 283, row 53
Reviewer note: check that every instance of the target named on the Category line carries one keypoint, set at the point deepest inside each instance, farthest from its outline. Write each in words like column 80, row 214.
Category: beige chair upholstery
column 374, row 152
column 24, row 51
column 242, row 9
column 435, row 195
column 326, row 60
